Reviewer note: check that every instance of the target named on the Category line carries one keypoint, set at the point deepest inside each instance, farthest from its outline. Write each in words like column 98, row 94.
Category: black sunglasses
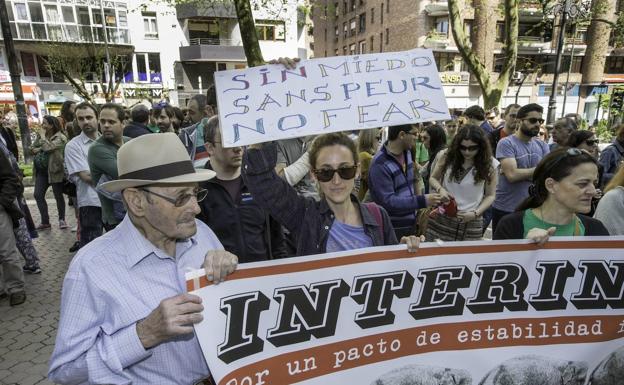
column 534, row 120
column 592, row 142
column 327, row 174
column 468, row 148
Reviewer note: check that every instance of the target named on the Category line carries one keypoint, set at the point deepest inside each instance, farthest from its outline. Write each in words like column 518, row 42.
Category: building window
column 344, row 50
column 362, row 22
column 271, row 30
column 444, row 60
column 150, row 27
column 148, row 67
column 468, row 29
column 500, row 31
column 372, row 43
column 20, row 12
column 345, row 8
column 352, row 49
column 381, row 42
column 362, row 47
column 442, row 26
column 28, row 64
column 221, row 66
column 381, row 17
column 336, row 52
column 387, row 36
column 352, row 29
column 614, row 65
column 372, row 15
column 336, row 9
column 345, row 30
column 325, row 35
column 352, row 7
column 387, row 6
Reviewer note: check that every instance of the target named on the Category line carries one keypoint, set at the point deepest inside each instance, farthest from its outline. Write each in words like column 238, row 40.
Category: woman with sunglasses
column 368, row 143
column 563, row 188
column 610, row 210
column 587, row 141
column 335, row 223
column 467, row 173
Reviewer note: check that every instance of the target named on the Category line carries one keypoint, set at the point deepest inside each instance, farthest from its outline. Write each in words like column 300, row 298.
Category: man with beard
column 103, row 155
column 77, row 165
column 243, row 227
column 163, row 115
column 518, row 155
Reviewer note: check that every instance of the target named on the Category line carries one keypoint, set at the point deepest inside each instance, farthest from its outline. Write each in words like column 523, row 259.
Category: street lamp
column 569, row 9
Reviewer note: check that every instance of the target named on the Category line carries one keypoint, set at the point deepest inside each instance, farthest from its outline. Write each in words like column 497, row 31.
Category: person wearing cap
column 125, row 317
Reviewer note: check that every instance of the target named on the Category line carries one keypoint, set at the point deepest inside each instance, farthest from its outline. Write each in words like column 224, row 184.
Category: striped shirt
column 112, row 283
column 393, row 189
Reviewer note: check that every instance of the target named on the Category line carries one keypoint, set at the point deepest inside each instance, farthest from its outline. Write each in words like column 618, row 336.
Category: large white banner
column 490, row 313
column 332, row 94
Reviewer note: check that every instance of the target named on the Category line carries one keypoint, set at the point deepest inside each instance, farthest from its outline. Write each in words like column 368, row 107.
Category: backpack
column 375, row 211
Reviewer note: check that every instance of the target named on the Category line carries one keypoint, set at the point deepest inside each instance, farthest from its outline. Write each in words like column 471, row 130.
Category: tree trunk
column 484, row 31
column 492, row 91
column 248, row 33
column 603, row 11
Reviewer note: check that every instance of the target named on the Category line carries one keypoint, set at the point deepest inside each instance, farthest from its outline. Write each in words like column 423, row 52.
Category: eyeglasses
column 378, row 137
column 542, row 133
column 491, row 117
column 534, row 120
column 327, row 174
column 181, row 200
column 468, row 148
column 592, row 142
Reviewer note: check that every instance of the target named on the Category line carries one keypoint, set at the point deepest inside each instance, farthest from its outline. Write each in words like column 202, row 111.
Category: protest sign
column 332, row 94
column 492, row 313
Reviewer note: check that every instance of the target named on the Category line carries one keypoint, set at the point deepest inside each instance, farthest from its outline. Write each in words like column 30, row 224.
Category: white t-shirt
column 468, row 194
column 76, row 161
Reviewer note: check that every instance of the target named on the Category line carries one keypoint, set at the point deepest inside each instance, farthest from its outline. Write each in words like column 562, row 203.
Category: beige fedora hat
column 155, row 158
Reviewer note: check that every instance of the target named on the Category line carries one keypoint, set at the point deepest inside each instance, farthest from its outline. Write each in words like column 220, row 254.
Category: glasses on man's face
column 491, row 117
column 534, row 120
column 327, row 174
column 542, row 133
column 592, row 142
column 468, row 148
column 182, row 199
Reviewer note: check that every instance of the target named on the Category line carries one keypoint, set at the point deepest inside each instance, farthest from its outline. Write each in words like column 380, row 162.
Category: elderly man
column 125, row 316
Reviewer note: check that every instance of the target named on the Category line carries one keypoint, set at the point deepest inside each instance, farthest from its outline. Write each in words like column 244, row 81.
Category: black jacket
column 9, row 138
column 512, row 227
column 309, row 220
column 9, row 189
column 243, row 227
column 134, row 130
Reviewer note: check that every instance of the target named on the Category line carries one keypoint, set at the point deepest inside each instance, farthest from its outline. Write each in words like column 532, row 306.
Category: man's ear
column 135, row 201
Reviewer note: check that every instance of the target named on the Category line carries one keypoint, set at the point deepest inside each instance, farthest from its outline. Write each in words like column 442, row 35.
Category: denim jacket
column 308, row 219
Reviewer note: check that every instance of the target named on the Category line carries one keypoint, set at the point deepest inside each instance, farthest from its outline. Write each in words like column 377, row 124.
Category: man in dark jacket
column 13, row 277
column 138, row 125
column 8, row 137
column 242, row 226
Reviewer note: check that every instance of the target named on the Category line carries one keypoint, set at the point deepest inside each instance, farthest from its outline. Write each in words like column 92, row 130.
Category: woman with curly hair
column 466, row 175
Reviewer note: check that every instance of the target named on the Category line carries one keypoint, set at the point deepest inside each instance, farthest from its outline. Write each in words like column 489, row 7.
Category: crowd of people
column 155, row 192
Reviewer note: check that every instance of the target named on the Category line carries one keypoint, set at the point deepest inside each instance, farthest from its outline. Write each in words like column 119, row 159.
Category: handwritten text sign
column 341, row 93
column 474, row 312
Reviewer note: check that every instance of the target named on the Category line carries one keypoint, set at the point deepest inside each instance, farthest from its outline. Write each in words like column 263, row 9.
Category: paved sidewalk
column 28, row 331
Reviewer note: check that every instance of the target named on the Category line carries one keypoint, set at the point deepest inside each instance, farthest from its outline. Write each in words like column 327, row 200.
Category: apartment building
column 171, row 51
column 349, row 27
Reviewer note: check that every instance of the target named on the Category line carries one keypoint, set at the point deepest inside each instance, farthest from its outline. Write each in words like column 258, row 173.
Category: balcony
column 212, row 49
column 437, row 8
column 68, row 33
column 437, row 40
column 532, row 43
column 530, row 10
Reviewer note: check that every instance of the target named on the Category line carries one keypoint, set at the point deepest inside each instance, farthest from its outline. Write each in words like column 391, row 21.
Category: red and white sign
column 492, row 313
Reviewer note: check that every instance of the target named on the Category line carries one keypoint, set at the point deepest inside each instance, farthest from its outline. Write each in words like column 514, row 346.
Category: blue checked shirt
column 113, row 282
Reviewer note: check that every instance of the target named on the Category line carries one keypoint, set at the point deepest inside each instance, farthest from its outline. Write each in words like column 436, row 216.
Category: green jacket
column 54, row 147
